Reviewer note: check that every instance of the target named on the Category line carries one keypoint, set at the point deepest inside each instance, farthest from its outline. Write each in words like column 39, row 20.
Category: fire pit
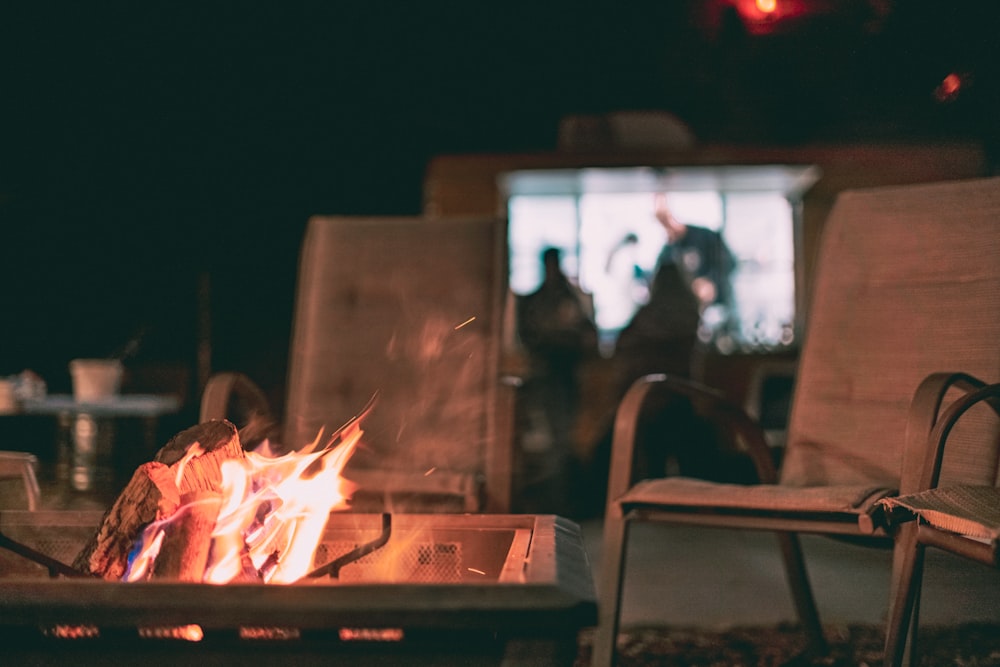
column 403, row 589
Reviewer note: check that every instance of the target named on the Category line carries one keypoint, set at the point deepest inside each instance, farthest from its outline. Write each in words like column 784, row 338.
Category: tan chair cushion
column 689, row 492
column 973, row 511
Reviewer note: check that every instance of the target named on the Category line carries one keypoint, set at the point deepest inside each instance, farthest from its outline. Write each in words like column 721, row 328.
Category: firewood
column 154, row 493
column 188, row 538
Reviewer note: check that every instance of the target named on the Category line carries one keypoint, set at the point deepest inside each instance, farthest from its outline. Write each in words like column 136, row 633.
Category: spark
column 430, row 470
column 471, row 319
column 472, row 569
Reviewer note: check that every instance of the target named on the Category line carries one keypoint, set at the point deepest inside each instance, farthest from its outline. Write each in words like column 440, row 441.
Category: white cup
column 95, row 380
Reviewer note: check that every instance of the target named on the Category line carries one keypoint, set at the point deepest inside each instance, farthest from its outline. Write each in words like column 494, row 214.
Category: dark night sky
column 144, row 144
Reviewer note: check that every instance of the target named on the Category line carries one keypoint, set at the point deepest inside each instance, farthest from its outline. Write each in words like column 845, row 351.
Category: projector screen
column 603, row 222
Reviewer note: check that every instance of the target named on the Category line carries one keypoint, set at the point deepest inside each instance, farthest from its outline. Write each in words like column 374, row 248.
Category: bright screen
column 610, row 242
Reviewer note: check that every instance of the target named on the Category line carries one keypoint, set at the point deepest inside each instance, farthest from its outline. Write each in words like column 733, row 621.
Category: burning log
column 187, row 467
column 188, row 538
column 206, row 510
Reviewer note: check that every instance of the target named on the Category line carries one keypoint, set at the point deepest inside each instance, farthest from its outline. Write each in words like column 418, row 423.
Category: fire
column 274, row 511
column 269, row 515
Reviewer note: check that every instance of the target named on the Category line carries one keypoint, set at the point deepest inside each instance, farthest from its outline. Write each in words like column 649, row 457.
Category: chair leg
column 907, row 572
column 609, row 588
column 912, row 649
column 802, row 595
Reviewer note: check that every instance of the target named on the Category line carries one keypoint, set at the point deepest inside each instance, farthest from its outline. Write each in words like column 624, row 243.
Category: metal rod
column 333, row 567
column 54, row 566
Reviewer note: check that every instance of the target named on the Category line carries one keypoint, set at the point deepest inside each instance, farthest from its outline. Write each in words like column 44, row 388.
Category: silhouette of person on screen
column 700, row 252
column 558, row 334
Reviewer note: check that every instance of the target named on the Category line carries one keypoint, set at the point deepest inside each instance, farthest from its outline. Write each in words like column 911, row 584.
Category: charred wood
column 188, row 465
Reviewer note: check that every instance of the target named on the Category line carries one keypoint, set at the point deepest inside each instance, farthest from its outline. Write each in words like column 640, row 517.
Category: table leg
column 84, row 458
column 64, row 446
column 92, row 451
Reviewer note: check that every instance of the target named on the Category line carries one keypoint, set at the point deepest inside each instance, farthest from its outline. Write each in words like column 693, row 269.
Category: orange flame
column 272, row 513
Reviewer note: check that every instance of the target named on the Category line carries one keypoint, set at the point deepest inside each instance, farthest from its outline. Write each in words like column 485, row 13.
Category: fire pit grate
column 60, row 535
column 424, row 561
column 444, row 588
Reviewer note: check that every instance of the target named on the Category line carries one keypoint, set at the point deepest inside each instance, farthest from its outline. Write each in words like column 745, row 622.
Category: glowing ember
column 269, row 633
column 187, row 633
column 269, row 515
column 73, row 631
column 371, row 634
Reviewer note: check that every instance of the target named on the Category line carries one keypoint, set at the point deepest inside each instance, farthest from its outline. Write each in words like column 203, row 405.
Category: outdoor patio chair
column 955, row 508
column 19, row 467
column 906, row 285
column 405, row 310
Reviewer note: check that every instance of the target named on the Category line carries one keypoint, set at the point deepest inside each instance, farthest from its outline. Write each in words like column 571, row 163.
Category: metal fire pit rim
column 383, row 605
column 555, row 588
column 405, row 520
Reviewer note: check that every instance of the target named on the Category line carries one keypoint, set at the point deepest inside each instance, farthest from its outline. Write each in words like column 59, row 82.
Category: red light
column 766, row 6
column 949, row 88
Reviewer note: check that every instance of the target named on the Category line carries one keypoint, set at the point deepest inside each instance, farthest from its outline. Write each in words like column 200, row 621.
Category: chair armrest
column 923, row 450
column 222, row 388
column 928, row 428
column 236, row 397
column 740, row 427
column 988, row 394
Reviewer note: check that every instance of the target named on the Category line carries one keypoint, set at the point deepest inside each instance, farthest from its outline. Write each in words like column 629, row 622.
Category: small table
column 80, row 420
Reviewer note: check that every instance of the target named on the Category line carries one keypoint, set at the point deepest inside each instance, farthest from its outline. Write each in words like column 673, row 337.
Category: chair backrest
column 410, row 309
column 907, row 284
